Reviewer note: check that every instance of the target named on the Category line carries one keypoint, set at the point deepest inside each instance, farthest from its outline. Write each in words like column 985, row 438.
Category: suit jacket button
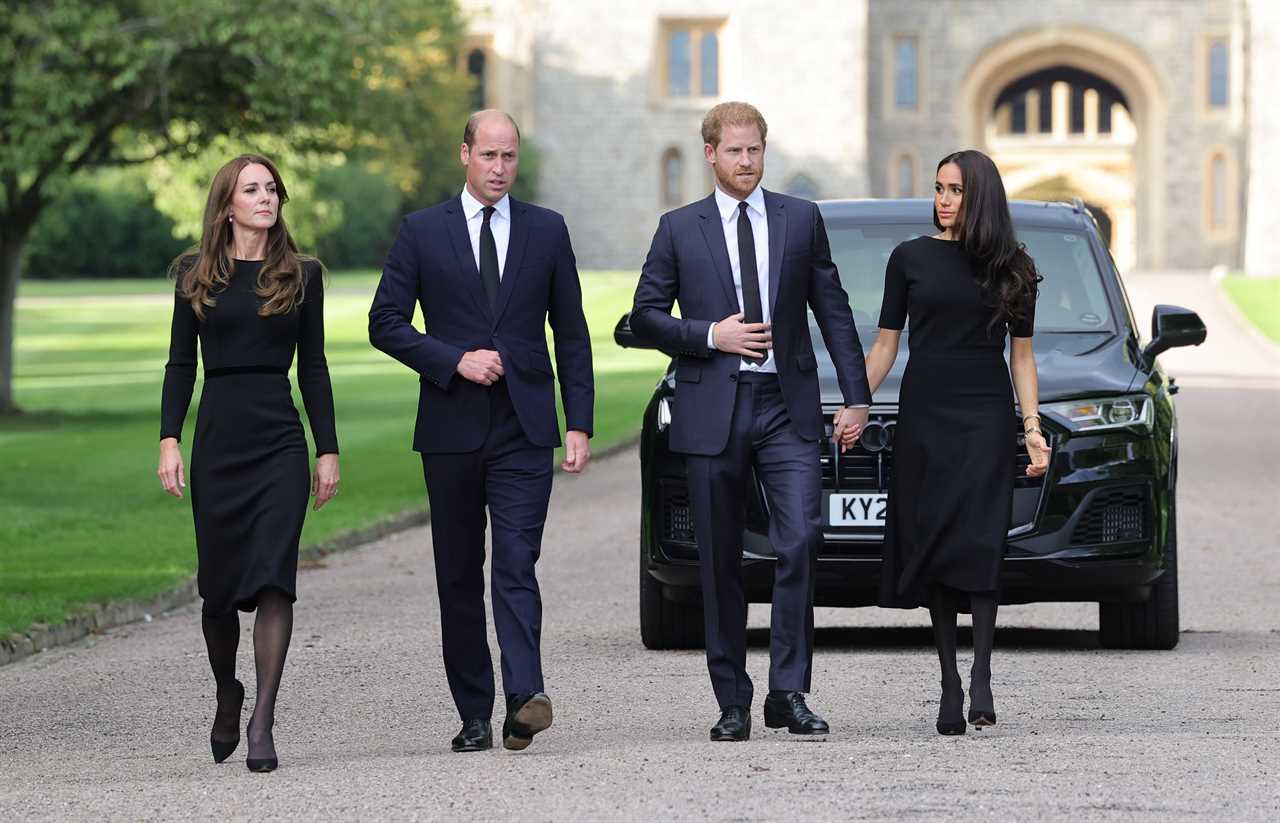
column 733, row 377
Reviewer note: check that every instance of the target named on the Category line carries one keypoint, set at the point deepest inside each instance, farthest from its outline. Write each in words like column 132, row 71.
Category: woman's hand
column 171, row 473
column 1038, row 450
column 324, row 485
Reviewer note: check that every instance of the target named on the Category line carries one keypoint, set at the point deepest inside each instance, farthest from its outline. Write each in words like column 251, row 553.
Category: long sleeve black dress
column 249, row 475
column 951, row 493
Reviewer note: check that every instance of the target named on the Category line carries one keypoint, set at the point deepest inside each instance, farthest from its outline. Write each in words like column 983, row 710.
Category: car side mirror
column 624, row 337
column 1171, row 327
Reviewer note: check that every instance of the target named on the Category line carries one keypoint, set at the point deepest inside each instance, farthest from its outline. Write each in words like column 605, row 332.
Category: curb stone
column 41, row 637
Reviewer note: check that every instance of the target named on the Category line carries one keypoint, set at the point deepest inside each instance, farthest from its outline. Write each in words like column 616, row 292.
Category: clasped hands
column 733, row 336
column 484, row 367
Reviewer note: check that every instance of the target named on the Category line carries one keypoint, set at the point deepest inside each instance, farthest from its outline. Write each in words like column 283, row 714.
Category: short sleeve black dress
column 249, row 475
column 951, row 493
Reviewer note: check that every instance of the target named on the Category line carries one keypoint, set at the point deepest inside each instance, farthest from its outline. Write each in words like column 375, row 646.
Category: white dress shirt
column 728, row 207
column 499, row 224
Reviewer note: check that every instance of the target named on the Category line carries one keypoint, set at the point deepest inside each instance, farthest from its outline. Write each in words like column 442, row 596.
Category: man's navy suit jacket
column 689, row 262
column 432, row 265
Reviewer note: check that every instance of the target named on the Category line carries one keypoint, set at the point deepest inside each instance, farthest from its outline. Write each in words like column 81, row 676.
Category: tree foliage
column 97, row 83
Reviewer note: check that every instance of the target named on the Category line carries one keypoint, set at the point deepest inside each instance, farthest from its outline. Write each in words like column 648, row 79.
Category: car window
column 1072, row 296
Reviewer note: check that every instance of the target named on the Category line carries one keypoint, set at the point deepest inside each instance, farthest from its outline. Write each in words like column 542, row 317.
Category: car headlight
column 1134, row 412
column 664, row 413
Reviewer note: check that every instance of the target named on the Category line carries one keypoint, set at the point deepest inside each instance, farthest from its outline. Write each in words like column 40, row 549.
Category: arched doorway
column 1068, row 111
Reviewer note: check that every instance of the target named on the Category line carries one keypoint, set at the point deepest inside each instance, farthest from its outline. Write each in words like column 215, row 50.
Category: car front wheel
column 1149, row 625
column 667, row 623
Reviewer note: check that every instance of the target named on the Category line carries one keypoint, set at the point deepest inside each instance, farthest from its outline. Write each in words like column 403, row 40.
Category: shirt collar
column 728, row 204
column 471, row 206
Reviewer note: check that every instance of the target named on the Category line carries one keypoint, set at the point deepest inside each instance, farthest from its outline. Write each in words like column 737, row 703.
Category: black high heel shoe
column 261, row 764
column 950, row 709
column 228, row 713
column 982, row 710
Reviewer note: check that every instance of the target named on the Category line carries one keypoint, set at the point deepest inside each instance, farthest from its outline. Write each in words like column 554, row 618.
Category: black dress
column 249, row 475
column 951, row 492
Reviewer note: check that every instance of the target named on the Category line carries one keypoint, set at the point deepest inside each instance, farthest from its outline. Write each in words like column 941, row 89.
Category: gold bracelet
column 1032, row 431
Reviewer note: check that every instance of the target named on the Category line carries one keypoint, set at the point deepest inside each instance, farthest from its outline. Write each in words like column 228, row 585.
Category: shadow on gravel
column 850, row 637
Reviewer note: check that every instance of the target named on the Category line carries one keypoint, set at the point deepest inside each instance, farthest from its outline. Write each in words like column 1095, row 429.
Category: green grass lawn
column 1259, row 300
column 82, row 516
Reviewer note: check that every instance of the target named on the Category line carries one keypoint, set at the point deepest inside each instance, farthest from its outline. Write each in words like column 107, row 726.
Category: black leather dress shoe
column 788, row 710
column 476, row 736
column 527, row 714
column 734, row 725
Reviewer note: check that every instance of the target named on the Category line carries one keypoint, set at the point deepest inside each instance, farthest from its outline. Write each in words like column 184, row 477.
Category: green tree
column 115, row 208
column 97, row 83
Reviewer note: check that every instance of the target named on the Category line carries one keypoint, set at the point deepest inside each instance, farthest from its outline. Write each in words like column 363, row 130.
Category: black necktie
column 489, row 260
column 752, row 312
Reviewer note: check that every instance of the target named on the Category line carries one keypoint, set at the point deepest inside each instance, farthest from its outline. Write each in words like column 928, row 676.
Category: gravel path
column 115, row 728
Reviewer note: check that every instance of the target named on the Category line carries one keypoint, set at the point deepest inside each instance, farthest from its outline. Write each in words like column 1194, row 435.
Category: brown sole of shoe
column 535, row 716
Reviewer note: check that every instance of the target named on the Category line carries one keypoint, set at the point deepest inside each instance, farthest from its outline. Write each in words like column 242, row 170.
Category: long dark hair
column 984, row 228
column 208, row 267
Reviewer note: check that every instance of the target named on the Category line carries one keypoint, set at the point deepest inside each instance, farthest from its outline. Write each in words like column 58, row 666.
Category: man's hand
column 849, row 423
column 577, row 452
column 748, row 339
column 481, row 366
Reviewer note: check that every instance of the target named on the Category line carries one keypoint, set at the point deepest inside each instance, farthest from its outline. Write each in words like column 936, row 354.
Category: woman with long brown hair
column 965, row 290
column 252, row 300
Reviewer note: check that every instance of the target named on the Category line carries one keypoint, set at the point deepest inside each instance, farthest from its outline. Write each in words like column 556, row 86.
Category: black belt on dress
column 227, row 371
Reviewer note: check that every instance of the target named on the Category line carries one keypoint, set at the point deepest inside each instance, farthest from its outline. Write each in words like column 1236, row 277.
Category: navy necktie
column 489, row 260
column 752, row 309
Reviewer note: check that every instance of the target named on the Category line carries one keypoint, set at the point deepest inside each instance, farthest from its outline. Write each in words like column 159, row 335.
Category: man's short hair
column 731, row 113
column 473, row 122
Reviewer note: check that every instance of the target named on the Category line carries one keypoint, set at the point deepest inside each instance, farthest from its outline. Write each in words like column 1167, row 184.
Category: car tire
column 1149, row 625
column 667, row 623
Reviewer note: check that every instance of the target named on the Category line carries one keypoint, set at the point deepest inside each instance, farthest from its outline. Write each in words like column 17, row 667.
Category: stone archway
column 1123, row 65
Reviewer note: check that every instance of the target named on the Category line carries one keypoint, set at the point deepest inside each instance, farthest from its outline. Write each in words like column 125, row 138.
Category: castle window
column 1217, row 193
column 906, row 176
column 1219, row 74
column 672, row 178
column 691, row 58
column 906, row 73
column 476, row 60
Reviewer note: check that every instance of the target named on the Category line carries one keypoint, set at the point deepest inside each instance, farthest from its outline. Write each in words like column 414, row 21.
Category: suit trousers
column 762, row 437
column 510, row 477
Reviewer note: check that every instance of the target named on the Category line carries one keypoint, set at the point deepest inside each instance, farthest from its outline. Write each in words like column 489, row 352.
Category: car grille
column 860, row 469
column 1115, row 516
column 677, row 517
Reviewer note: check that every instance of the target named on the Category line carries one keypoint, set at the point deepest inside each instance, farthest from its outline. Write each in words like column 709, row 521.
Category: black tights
column 272, row 629
column 944, row 604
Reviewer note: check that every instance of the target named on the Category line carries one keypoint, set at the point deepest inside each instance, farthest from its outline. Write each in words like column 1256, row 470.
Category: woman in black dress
column 251, row 300
column 951, row 493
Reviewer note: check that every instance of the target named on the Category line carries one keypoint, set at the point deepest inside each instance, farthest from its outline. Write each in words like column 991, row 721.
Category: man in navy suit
column 489, row 272
column 745, row 265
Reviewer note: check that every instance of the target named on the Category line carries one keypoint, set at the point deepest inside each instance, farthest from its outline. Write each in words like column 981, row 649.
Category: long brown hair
column 985, row 231
column 208, row 267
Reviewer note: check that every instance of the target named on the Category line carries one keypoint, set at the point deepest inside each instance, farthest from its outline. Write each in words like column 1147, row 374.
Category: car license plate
column 857, row 509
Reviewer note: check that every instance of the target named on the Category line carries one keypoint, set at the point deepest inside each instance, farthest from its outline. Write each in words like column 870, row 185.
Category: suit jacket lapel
column 461, row 241
column 777, row 218
column 516, row 242
column 713, row 231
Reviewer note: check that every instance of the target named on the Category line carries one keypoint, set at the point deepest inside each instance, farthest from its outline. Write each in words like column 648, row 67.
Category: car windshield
column 1072, row 297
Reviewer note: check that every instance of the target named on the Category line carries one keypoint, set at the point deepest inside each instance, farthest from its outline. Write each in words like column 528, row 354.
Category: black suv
column 1099, row 526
